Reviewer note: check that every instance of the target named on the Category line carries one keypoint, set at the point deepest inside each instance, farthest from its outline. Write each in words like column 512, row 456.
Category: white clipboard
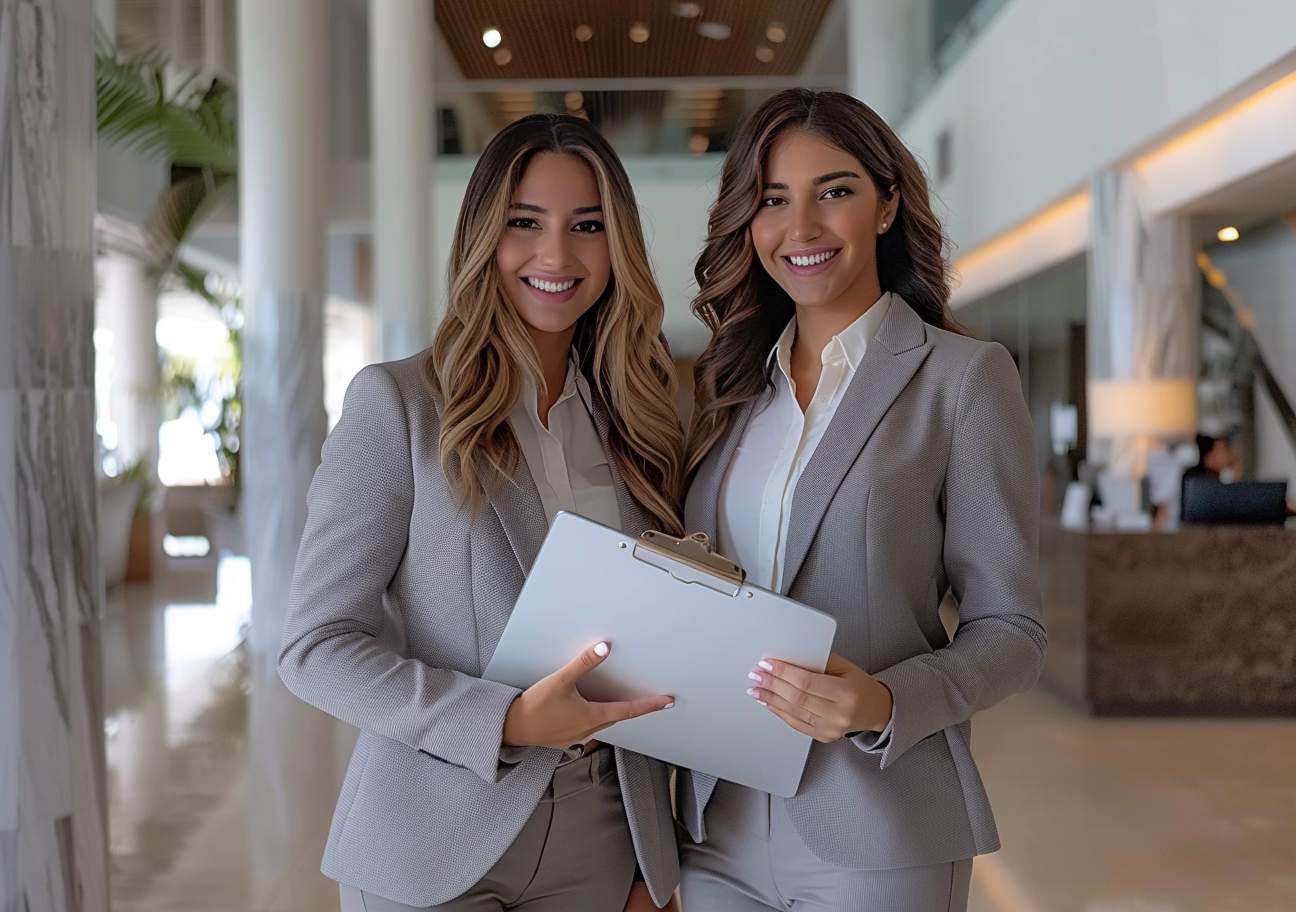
column 681, row 621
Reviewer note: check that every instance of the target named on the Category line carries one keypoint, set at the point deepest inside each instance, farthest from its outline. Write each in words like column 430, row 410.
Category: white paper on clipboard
column 679, row 625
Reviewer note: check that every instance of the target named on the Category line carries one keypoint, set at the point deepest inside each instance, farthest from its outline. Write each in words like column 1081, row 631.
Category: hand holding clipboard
column 681, row 621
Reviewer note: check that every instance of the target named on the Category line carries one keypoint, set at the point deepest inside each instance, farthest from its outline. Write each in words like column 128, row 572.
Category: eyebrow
column 527, row 207
column 818, row 180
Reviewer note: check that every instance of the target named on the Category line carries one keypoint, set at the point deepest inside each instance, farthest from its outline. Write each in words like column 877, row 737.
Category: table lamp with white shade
column 1135, row 416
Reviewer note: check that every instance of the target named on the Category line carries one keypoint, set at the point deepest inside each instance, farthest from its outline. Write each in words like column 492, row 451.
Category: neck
column 553, row 350
column 817, row 325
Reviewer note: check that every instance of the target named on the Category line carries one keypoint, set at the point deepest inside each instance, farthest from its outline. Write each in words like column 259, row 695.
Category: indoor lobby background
column 264, row 203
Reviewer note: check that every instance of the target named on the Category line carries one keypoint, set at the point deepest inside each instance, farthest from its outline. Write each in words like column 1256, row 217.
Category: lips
column 811, row 261
column 552, row 289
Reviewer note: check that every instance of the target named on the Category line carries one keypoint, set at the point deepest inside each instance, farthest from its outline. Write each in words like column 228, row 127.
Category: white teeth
column 813, row 260
column 551, row 287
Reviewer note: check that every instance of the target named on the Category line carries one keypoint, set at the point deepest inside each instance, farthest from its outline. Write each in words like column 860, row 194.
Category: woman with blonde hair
column 854, row 450
column 548, row 387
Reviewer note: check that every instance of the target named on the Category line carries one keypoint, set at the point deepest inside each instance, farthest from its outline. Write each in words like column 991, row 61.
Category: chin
column 549, row 323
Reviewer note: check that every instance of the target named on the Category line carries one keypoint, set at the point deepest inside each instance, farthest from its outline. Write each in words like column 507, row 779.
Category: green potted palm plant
column 145, row 105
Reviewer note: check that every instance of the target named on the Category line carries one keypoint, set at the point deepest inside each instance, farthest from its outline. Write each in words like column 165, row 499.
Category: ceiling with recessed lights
column 605, row 39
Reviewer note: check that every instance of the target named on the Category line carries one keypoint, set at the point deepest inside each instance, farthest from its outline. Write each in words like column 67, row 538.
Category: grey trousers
column 574, row 853
column 754, row 860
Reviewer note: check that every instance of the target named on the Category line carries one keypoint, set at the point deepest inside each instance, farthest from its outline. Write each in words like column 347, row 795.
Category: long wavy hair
column 482, row 348
column 745, row 309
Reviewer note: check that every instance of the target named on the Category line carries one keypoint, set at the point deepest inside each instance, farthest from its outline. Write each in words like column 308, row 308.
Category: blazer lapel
column 702, row 505
column 893, row 356
column 516, row 502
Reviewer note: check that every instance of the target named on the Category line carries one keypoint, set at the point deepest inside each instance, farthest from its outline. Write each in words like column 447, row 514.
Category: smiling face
column 817, row 227
column 553, row 257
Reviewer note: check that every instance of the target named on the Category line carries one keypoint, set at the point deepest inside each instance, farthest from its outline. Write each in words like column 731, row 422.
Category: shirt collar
column 851, row 343
column 573, row 383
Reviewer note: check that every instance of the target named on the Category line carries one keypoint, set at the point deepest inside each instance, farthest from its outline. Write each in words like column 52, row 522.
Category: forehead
column 559, row 178
column 804, row 153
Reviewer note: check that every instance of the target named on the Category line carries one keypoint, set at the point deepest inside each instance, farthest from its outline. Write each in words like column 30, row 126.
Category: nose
column 805, row 222
column 551, row 250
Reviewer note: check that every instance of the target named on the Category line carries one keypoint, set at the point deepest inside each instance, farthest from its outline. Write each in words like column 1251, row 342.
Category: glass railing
column 947, row 49
column 638, row 116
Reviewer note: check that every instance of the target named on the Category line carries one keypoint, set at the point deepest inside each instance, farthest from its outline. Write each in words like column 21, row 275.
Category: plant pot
column 139, row 557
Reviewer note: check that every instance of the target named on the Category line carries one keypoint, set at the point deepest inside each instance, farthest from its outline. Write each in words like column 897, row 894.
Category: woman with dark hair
column 854, row 449
column 548, row 387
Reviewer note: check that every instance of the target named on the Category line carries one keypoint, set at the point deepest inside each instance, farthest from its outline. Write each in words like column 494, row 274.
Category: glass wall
column 1041, row 321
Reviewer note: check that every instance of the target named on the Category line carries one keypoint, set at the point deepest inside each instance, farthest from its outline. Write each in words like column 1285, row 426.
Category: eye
column 836, row 192
column 523, row 222
column 589, row 226
column 769, row 201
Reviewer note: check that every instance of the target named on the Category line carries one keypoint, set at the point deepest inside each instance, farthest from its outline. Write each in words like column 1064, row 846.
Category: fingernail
column 766, row 665
column 753, row 692
column 755, row 677
column 762, row 703
column 601, row 649
column 669, row 705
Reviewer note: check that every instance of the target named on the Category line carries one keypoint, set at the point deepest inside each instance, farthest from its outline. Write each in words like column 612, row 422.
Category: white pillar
column 283, row 184
column 213, row 35
column 403, row 104
column 128, row 295
column 53, row 846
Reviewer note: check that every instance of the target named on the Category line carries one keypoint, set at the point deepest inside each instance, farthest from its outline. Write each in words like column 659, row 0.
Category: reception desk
column 1201, row 621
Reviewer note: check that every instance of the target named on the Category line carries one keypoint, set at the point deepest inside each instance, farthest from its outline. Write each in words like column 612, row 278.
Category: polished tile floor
column 221, row 784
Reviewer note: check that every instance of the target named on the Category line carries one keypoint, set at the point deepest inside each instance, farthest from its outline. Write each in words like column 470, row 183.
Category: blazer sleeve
column 360, row 503
column 991, row 560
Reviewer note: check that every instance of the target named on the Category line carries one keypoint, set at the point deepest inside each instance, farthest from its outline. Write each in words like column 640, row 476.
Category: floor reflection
column 184, row 831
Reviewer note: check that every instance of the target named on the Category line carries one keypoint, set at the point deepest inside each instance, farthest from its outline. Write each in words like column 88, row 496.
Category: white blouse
column 567, row 460
column 757, row 490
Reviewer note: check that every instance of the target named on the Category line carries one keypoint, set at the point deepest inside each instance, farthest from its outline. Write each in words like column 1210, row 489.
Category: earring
column 884, row 224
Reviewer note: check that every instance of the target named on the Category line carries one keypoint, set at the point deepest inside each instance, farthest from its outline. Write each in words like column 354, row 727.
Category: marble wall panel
column 10, row 728
column 52, row 832
column 53, row 583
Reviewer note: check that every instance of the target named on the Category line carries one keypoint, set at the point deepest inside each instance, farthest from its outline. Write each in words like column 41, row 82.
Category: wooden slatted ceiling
column 540, row 35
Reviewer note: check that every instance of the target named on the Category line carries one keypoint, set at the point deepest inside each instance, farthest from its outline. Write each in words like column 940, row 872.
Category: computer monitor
column 1207, row 501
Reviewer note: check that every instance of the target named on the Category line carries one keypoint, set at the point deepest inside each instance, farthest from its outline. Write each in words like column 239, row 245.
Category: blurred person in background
column 548, row 387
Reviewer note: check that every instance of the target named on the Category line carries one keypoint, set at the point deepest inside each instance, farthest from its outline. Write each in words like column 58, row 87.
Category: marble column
column 403, row 103
column 53, row 851
column 1144, row 313
column 283, row 184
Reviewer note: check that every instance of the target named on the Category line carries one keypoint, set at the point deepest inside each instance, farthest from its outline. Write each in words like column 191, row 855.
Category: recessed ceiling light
column 492, row 37
column 639, row 33
column 688, row 10
column 764, row 53
column 573, row 101
column 716, row 31
column 584, row 33
column 699, row 143
column 776, row 33
column 503, row 56
column 1228, row 234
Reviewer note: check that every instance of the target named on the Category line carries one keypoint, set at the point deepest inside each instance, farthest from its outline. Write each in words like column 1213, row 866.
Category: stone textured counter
column 1199, row 621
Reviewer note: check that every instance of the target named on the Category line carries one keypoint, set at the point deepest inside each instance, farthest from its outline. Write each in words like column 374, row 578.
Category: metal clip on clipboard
column 690, row 560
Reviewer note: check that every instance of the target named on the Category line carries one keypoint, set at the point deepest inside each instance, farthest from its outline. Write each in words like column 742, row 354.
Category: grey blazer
column 399, row 599
column 925, row 480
